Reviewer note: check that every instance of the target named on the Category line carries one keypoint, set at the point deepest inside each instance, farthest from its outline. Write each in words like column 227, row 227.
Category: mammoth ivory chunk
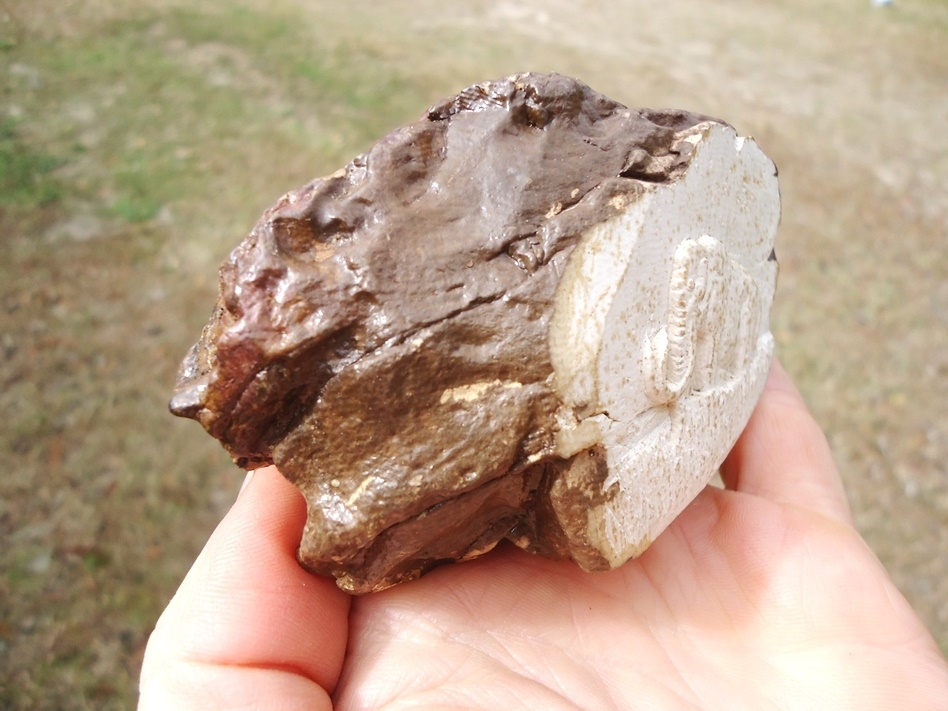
column 534, row 314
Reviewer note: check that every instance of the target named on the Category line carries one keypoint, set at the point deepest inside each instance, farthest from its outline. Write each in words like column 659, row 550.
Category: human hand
column 758, row 596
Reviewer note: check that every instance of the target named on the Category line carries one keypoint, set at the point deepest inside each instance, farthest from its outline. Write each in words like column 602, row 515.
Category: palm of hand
column 759, row 596
column 741, row 604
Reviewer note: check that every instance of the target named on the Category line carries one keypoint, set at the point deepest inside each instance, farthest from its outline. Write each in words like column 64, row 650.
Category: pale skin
column 759, row 596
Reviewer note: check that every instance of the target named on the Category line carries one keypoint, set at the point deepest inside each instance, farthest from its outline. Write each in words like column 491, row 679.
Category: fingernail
column 246, row 482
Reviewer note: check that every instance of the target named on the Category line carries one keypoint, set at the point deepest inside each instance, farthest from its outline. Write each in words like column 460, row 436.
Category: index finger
column 783, row 455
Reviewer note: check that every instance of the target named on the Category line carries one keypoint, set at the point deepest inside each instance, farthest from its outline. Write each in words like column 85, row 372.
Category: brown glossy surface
column 381, row 334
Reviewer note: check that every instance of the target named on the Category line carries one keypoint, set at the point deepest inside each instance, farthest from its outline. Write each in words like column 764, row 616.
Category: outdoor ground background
column 139, row 141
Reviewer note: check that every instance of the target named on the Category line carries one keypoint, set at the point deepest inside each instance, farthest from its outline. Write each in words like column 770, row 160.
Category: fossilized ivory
column 533, row 314
column 661, row 334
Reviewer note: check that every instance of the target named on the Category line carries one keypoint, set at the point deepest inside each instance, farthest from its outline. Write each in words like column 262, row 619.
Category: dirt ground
column 140, row 141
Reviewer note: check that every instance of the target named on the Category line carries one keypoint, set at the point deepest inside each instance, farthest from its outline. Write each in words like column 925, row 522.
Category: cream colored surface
column 660, row 338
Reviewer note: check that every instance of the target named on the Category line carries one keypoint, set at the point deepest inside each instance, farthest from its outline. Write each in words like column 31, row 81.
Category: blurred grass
column 25, row 180
column 139, row 142
column 124, row 179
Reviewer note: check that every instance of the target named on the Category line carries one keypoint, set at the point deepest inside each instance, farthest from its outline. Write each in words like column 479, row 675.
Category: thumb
column 248, row 622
